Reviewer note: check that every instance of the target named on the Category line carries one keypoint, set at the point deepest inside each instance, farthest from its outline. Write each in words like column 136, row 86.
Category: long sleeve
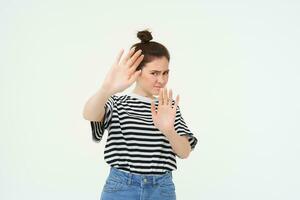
column 98, row 127
column 182, row 129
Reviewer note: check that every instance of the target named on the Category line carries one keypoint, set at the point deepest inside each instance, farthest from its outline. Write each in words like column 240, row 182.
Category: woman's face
column 154, row 76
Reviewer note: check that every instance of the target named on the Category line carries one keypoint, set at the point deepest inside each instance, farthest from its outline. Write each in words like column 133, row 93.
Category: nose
column 160, row 79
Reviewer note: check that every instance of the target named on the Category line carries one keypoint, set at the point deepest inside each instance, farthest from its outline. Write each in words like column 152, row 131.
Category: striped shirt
column 133, row 143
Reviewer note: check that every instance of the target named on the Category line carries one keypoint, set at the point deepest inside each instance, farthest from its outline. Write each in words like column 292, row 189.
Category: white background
column 235, row 65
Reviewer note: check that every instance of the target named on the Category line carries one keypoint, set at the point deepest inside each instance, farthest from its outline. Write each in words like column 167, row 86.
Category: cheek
column 150, row 79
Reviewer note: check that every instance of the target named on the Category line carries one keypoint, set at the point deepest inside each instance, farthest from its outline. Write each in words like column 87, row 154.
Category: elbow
column 84, row 116
column 84, row 113
column 184, row 156
column 87, row 116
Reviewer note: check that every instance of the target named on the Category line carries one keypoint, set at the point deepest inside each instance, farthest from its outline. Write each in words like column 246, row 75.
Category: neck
column 139, row 91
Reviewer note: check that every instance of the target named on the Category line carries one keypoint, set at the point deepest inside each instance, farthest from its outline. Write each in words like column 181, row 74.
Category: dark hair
column 150, row 49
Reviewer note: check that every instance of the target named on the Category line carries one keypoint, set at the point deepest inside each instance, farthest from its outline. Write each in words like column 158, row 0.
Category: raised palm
column 123, row 72
column 164, row 116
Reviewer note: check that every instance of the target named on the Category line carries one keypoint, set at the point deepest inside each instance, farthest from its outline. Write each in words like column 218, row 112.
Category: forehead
column 158, row 64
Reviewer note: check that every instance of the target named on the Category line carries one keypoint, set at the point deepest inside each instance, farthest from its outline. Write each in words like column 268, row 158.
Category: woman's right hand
column 123, row 73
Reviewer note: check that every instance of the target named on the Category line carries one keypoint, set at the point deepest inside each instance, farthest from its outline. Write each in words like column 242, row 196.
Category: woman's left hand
column 165, row 115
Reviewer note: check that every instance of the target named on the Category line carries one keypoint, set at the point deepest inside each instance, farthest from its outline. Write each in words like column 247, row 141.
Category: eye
column 154, row 73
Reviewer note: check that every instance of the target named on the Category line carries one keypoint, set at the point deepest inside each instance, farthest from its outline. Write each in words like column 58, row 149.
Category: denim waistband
column 138, row 179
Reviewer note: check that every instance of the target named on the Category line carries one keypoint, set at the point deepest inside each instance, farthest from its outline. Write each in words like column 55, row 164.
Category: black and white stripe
column 134, row 144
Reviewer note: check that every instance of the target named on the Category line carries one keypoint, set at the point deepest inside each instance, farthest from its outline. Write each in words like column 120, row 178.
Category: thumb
column 134, row 76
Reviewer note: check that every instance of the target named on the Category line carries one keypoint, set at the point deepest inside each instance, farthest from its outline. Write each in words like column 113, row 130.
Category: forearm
column 94, row 107
column 180, row 144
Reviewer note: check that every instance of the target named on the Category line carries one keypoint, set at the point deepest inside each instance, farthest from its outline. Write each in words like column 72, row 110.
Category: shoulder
column 118, row 98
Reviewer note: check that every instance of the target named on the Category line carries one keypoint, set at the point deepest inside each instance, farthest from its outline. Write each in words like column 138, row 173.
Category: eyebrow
column 159, row 71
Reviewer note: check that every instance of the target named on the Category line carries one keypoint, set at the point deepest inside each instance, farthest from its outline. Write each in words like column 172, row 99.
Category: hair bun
column 144, row 36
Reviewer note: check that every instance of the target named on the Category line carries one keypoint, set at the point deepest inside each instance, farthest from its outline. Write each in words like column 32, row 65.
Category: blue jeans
column 121, row 185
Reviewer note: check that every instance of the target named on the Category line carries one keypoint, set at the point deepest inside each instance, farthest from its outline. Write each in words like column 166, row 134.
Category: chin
column 155, row 92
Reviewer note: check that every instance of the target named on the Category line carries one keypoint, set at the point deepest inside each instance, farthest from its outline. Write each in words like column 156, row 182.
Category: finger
column 165, row 96
column 153, row 111
column 119, row 56
column 160, row 97
column 134, row 76
column 128, row 55
column 170, row 97
column 133, row 58
column 176, row 103
column 136, row 64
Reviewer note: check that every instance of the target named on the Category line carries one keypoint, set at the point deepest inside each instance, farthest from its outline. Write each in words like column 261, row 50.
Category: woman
column 145, row 133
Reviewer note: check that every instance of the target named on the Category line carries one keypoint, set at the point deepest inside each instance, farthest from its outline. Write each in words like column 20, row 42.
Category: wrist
column 170, row 131
column 104, row 91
